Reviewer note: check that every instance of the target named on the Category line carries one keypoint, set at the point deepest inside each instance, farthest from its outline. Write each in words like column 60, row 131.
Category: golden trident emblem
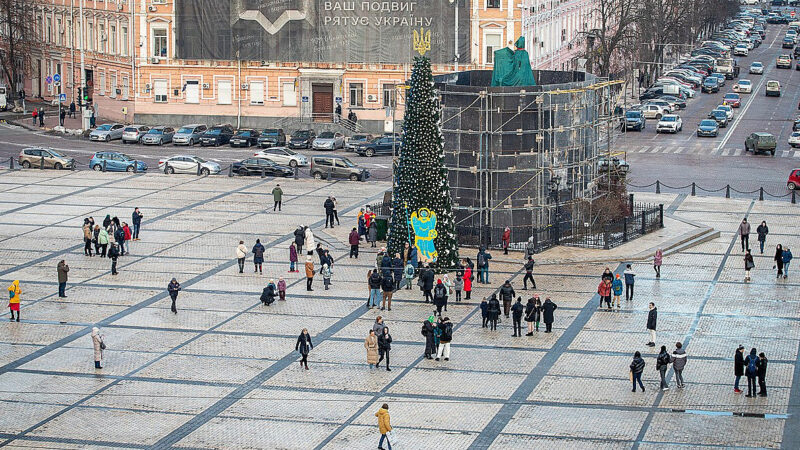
column 422, row 41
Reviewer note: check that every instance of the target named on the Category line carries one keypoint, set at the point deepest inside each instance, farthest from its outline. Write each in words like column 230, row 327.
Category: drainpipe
column 132, row 55
column 239, row 112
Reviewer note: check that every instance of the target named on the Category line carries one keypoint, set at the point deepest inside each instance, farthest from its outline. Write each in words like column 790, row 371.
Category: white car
column 757, row 68
column 669, row 123
column 328, row 140
column 741, row 50
column 107, row 132
column 187, row 164
column 743, row 87
column 728, row 110
column 794, row 139
column 283, row 156
column 652, row 111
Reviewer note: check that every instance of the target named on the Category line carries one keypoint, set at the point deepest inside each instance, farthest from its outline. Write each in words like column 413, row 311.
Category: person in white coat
column 310, row 244
column 97, row 341
column 241, row 254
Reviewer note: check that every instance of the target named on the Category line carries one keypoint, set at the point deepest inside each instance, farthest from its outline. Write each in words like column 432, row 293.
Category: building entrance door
column 322, row 102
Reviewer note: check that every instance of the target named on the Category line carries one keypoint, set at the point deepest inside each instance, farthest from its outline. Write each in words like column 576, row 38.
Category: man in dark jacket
column 762, row 374
column 440, row 297
column 516, row 311
column 375, row 282
column 751, row 363
column 678, row 363
column 397, row 267
column 637, row 367
column 738, row 368
column 62, row 269
column 387, row 285
column 652, row 317
column 354, row 240
column 119, row 236
column 329, row 207
column 507, row 296
column 136, row 218
column 547, row 314
column 763, row 231
column 529, row 274
column 173, row 288
column 483, row 266
column 113, row 253
column 493, row 312
column 299, row 238
column 427, row 331
column 386, row 265
column 427, row 283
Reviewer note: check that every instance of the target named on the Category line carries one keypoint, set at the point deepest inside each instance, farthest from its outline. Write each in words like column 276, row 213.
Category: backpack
column 424, row 331
column 752, row 367
column 447, row 333
column 481, row 260
column 119, row 235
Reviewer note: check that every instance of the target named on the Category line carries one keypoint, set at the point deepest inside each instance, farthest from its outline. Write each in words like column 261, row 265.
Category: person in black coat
column 762, row 374
column 751, row 361
column 384, row 345
column 516, row 314
column 387, row 286
column 386, row 265
column 268, row 294
column 427, row 283
column 547, row 313
column 173, row 288
column 738, row 368
column 493, row 311
column 397, row 267
column 428, row 332
column 329, row 207
column 304, row 345
column 440, row 297
column 507, row 296
column 484, row 312
column 258, row 257
column 652, row 317
column 299, row 238
column 531, row 315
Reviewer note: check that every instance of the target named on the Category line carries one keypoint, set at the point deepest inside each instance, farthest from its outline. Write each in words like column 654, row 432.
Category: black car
column 634, row 120
column 244, row 138
column 259, row 166
column 379, row 146
column 216, row 136
column 272, row 137
column 302, row 139
column 796, row 124
column 678, row 101
column 720, row 116
column 356, row 140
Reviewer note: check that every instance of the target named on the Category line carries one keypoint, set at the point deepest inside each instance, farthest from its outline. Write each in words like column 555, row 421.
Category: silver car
column 133, row 133
column 158, row 136
column 283, row 156
column 188, row 164
column 328, row 140
column 189, row 134
column 107, row 132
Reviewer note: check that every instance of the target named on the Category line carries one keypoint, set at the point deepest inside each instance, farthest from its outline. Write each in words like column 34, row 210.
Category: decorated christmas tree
column 422, row 210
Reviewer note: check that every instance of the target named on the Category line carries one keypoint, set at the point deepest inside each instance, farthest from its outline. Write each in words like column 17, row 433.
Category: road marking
column 785, row 154
column 797, row 154
column 741, row 114
column 680, row 149
column 737, row 152
column 725, row 152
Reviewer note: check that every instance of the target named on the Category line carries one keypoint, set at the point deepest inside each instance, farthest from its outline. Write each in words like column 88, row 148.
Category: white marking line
column 785, row 154
column 680, row 149
column 741, row 114
column 725, row 152
column 737, row 152
column 796, row 154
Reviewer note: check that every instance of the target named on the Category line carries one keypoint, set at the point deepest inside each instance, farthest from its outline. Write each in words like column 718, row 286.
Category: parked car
column 216, row 136
column 133, row 133
column 707, row 127
column 32, row 157
column 116, row 162
column 720, row 116
column 634, row 120
column 773, row 88
column 674, row 102
column 189, row 134
column 796, row 124
column 302, row 139
column 732, row 99
column 283, row 156
column 720, row 77
column 323, row 167
column 188, row 164
column 760, row 142
column 258, row 166
column 652, row 111
column 328, row 140
column 356, row 140
column 743, row 87
column 794, row 139
column 245, row 138
column 757, row 68
column 107, row 132
column 728, row 110
column 671, row 123
column 783, row 62
column 710, row 85
column 158, row 136
column 379, row 146
column 794, row 179
column 788, row 42
column 272, row 137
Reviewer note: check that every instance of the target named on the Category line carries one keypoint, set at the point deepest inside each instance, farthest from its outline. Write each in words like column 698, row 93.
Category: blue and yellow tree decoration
column 422, row 212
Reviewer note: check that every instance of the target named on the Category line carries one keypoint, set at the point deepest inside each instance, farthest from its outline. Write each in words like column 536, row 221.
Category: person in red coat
column 467, row 282
column 354, row 239
column 506, row 240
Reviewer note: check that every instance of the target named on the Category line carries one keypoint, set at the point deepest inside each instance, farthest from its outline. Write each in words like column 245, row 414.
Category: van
column 3, row 99
column 760, row 142
column 324, row 167
column 773, row 88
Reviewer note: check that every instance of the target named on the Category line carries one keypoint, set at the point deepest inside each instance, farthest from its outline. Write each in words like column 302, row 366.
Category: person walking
column 309, row 241
column 99, row 346
column 468, row 278
column 41, row 117
column 428, row 332
column 483, row 265
column 113, row 253
column 749, row 264
column 335, row 210
column 657, row 259
column 173, row 288
column 444, row 339
column 387, row 286
column 268, row 294
column 547, row 314
column 662, row 364
column 241, row 255
column 293, row 257
column 439, row 297
column 34, row 116
column 281, row 289
column 72, row 110
column 493, row 312
column 375, row 281
column 778, row 260
column 484, row 312
column 679, row 363
column 87, row 238
column 506, row 240
column 738, row 368
column 384, row 426
column 507, row 295
column 326, row 275
column 102, row 241
column 762, row 231
column 604, row 291
column 637, row 367
column 458, row 286
column 408, row 274
column 616, row 288
column 397, row 268
column 528, row 274
column 14, row 293
column 652, row 319
column 304, row 346
column 787, row 258
column 378, row 326
column 426, row 278
column 329, row 207
column 309, row 273
column 95, row 240
column 62, row 116
column 630, row 280
column 63, row 270
column 384, row 345
column 277, row 197
column 299, row 238
column 354, row 240
column 362, row 224
column 516, row 314
column 762, row 374
column 744, row 234
column 371, row 344
column 136, row 220
column 751, row 363
column 533, row 314
column 258, row 257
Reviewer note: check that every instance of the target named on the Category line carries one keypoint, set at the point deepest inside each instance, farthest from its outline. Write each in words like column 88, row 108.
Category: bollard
column 728, row 191
column 661, row 215
column 263, row 172
column 658, row 187
column 198, row 169
column 104, row 165
column 230, row 170
column 624, row 229
column 630, row 203
column 11, row 163
column 693, row 186
column 41, row 163
column 793, row 191
column 761, row 193
column 296, row 172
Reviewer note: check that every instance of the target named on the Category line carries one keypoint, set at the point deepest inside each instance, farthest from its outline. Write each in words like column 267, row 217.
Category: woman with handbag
column 749, row 264
column 99, row 346
column 384, row 426
column 371, row 344
column 467, row 281
column 304, row 346
column 778, row 260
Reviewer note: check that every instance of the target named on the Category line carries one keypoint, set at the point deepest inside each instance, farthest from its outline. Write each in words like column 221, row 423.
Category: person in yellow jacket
column 13, row 298
column 384, row 425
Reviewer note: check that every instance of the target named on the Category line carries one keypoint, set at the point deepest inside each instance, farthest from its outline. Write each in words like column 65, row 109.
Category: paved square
column 222, row 372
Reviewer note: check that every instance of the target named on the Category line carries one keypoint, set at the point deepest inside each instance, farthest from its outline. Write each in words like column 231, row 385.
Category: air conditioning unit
column 206, row 85
column 152, row 8
column 154, row 60
column 245, row 86
column 371, row 98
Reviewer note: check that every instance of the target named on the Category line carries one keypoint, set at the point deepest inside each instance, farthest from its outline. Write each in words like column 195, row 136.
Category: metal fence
column 693, row 187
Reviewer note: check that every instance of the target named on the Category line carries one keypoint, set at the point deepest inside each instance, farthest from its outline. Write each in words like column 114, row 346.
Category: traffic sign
column 62, row 97
column 304, row 99
column 49, row 79
column 791, row 13
column 57, row 78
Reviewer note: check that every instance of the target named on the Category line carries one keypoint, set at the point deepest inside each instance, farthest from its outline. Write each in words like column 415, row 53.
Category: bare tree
column 615, row 24
column 17, row 38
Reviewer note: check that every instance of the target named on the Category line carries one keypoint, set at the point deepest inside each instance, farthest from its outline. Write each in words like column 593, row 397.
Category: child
column 282, row 289
column 293, row 258
column 484, row 309
column 408, row 273
column 458, row 285
column 326, row 276
column 616, row 286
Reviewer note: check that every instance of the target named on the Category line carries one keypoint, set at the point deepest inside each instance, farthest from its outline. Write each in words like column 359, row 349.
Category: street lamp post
column 555, row 181
column 455, row 34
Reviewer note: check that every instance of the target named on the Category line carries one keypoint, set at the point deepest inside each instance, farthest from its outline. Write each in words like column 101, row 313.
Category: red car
column 794, row 179
column 732, row 99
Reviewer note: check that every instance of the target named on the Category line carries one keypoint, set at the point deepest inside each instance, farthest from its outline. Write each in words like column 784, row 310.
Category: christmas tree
column 421, row 190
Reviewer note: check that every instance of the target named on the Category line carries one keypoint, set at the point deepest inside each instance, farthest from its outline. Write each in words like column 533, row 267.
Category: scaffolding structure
column 526, row 157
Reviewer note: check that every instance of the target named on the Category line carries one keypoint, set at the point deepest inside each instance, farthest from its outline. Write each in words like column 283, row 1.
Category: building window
column 102, row 90
column 123, row 42
column 493, row 42
column 257, row 92
column 113, row 91
column 112, row 40
column 224, row 92
column 192, row 91
column 356, row 94
column 289, row 94
column 101, row 31
column 160, row 42
column 160, row 91
column 59, row 30
column 492, row 3
column 125, row 88
column 89, row 37
column 49, row 30
column 69, row 33
column 389, row 96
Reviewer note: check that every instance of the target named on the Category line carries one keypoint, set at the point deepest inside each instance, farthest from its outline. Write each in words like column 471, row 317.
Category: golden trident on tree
column 422, row 41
